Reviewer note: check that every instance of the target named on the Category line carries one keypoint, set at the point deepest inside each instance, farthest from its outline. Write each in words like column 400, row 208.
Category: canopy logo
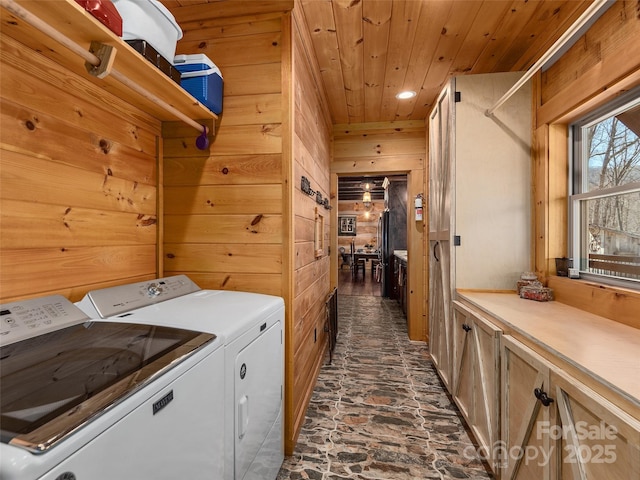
column 582, row 443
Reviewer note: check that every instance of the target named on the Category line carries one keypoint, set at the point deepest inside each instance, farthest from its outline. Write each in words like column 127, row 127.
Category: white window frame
column 578, row 185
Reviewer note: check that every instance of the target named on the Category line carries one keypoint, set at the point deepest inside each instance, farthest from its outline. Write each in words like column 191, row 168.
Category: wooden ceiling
column 352, row 188
column 369, row 50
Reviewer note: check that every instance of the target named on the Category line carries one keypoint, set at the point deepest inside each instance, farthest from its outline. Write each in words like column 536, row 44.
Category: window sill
column 615, row 303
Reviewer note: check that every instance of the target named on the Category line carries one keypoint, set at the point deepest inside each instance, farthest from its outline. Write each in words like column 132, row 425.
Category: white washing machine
column 251, row 326
column 98, row 400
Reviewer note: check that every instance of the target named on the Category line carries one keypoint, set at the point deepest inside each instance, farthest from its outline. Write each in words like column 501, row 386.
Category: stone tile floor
column 379, row 410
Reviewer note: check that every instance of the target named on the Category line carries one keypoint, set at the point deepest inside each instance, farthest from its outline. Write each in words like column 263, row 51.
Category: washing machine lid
column 55, row 383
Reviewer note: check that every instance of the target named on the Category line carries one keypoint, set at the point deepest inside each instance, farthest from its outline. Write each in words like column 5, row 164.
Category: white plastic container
column 149, row 20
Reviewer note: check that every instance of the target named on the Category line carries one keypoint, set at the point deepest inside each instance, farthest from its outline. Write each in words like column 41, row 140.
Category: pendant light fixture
column 366, row 197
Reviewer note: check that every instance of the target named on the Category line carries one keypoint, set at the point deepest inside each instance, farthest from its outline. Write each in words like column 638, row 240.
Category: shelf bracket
column 106, row 55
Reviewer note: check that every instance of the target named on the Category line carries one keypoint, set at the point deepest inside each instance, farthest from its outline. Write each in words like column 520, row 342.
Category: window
column 605, row 200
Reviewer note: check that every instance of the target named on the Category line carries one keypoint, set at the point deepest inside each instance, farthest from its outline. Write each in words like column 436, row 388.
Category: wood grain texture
column 205, row 258
column 196, row 11
column 601, row 353
column 223, row 229
column 224, row 170
column 310, row 157
column 78, row 172
column 616, row 304
column 589, row 74
column 223, row 199
column 40, row 180
column 27, row 224
column 370, row 50
column 30, row 271
column 268, row 284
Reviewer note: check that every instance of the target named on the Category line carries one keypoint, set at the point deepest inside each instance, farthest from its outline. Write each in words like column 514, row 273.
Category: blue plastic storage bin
column 202, row 79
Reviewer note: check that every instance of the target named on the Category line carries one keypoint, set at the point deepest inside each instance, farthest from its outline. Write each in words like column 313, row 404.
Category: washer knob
column 154, row 289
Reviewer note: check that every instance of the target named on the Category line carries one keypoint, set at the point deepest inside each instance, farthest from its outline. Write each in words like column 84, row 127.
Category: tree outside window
column 606, row 192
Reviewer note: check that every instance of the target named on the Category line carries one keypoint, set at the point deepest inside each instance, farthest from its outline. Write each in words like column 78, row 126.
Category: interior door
column 440, row 280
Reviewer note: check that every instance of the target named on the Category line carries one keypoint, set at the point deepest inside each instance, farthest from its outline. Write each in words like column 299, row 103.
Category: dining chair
column 346, row 259
column 356, row 266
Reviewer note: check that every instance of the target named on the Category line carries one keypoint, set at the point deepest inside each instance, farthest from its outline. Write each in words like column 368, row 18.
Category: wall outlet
column 574, row 273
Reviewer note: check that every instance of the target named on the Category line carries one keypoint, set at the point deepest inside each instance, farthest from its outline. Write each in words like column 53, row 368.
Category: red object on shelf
column 106, row 12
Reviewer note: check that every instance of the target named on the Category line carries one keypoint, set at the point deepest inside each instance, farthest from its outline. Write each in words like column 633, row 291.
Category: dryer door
column 258, row 402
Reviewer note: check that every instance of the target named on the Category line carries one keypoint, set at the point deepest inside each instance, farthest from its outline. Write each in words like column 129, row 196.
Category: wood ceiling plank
column 404, row 25
column 368, row 50
column 344, row 130
column 527, row 35
column 376, row 24
column 503, row 43
column 556, row 22
column 348, row 18
column 476, row 37
column 425, row 52
column 318, row 17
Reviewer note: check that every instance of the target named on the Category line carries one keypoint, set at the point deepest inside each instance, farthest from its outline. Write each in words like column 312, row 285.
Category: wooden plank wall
column 236, row 218
column 224, row 210
column 366, row 222
column 78, row 182
column 602, row 64
column 311, row 278
column 392, row 148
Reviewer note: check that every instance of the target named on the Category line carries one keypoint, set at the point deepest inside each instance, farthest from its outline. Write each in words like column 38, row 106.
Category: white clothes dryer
column 251, row 326
column 88, row 400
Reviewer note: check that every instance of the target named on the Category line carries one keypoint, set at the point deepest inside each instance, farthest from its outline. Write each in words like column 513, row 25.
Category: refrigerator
column 384, row 252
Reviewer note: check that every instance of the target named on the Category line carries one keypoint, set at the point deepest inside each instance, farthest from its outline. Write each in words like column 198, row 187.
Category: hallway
column 379, row 411
column 364, row 285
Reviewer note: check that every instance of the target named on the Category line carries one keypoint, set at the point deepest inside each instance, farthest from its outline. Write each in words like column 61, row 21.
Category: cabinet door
column 440, row 281
column 476, row 377
column 465, row 358
column 525, row 414
column 596, row 439
column 486, row 387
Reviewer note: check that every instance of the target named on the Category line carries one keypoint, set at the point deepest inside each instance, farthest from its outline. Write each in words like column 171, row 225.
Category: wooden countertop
column 596, row 346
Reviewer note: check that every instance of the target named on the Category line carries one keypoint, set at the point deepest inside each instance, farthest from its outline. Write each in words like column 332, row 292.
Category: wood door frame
column 416, row 316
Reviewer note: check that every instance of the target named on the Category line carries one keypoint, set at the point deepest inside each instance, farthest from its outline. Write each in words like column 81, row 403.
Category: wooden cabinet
column 479, row 188
column 554, row 427
column 399, row 282
column 476, row 376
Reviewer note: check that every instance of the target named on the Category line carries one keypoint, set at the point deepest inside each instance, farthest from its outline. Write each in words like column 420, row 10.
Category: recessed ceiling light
column 406, row 94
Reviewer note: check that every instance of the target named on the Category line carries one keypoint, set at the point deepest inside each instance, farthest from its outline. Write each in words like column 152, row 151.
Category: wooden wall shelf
column 70, row 19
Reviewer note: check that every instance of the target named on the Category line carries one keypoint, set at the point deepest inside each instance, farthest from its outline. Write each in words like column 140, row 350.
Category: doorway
column 371, row 224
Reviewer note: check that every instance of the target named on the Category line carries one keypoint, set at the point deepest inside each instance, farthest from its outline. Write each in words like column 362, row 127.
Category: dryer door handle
column 243, row 416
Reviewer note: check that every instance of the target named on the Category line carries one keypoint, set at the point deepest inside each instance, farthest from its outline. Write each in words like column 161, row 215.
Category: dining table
column 366, row 255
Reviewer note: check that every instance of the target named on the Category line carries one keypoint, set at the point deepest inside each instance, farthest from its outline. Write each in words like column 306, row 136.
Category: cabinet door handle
column 543, row 397
column 466, row 327
column 435, row 245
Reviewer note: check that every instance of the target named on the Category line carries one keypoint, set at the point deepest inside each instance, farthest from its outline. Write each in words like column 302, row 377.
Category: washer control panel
column 29, row 318
column 108, row 302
